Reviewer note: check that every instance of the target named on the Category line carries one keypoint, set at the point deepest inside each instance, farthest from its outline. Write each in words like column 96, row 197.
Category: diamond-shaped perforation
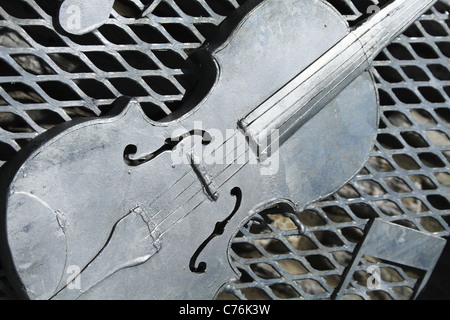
column 375, row 279
column 146, row 58
column 414, row 140
column 406, row 177
column 292, row 265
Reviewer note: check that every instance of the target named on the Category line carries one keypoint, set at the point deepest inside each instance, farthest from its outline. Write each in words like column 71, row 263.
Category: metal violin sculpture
column 289, row 78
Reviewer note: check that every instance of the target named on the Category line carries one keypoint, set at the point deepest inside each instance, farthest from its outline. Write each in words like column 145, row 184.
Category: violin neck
column 308, row 93
column 380, row 30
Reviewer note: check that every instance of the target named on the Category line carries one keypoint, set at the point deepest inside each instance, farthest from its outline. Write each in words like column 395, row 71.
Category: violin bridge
column 204, row 177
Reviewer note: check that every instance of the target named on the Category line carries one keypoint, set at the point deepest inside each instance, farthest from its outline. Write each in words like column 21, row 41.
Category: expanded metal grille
column 48, row 77
column 406, row 181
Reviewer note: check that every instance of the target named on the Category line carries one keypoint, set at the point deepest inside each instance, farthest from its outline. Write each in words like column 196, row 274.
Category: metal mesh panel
column 406, row 181
column 398, row 281
column 48, row 77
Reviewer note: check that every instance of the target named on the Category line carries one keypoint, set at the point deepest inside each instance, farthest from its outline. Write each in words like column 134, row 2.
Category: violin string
column 357, row 39
column 362, row 49
column 278, row 139
column 364, row 46
column 186, row 173
column 201, row 188
column 205, row 199
column 173, row 185
column 223, row 183
column 196, row 181
column 386, row 38
column 322, row 92
column 202, row 201
column 299, row 85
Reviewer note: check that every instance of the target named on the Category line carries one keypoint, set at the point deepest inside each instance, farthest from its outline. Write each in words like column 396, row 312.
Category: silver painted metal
column 310, row 91
column 395, row 185
column 79, row 17
column 221, row 194
column 396, row 244
column 172, row 201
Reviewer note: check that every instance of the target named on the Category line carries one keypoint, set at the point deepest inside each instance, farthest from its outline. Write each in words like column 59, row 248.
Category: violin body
column 107, row 197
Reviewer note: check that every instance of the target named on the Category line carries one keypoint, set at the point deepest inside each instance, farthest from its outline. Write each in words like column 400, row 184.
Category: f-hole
column 169, row 145
column 219, row 229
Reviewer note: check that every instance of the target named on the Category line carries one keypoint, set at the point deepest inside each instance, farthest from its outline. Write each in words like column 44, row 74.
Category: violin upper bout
column 335, row 144
column 281, row 38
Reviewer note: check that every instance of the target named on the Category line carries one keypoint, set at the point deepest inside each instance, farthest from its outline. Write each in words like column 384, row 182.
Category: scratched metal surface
column 47, row 78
